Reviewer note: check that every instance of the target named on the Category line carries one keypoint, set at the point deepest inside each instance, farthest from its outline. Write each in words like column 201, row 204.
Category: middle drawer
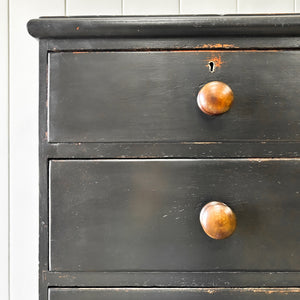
column 143, row 215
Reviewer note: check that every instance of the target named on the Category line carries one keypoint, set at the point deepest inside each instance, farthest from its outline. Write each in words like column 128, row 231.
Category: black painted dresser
column 132, row 152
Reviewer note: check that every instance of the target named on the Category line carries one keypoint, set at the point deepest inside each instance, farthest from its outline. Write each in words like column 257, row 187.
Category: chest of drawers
column 131, row 155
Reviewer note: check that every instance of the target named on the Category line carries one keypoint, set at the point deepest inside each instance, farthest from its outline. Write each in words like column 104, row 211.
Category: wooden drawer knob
column 217, row 220
column 215, row 98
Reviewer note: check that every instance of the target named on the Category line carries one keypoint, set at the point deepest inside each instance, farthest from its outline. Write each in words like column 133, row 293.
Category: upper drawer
column 143, row 215
column 151, row 96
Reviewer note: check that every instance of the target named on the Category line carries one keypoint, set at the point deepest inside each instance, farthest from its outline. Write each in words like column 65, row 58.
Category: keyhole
column 211, row 66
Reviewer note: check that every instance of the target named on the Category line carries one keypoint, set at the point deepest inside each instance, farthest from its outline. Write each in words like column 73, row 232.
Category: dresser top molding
column 165, row 26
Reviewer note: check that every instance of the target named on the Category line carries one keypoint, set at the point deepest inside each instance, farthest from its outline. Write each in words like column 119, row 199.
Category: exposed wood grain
column 229, row 43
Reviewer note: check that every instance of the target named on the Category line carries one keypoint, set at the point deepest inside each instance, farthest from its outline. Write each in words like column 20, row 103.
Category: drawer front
column 151, row 96
column 173, row 293
column 143, row 215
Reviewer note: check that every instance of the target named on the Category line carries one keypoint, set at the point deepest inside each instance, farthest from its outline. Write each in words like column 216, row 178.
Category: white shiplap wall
column 4, row 208
column 150, row 7
column 19, row 115
column 23, row 145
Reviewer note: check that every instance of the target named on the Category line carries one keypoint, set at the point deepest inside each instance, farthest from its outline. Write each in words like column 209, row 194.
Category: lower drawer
column 173, row 293
column 143, row 215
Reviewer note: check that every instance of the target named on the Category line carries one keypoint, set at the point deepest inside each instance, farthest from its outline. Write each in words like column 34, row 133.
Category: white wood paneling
column 266, row 6
column 4, row 205
column 93, row 7
column 150, row 7
column 24, row 145
column 297, row 6
column 208, row 7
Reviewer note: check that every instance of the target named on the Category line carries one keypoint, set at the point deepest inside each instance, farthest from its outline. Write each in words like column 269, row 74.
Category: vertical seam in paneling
column 122, row 7
column 65, row 7
column 294, row 6
column 8, row 148
column 237, row 6
column 179, row 7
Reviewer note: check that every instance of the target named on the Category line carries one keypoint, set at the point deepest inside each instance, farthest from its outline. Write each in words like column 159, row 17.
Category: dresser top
column 165, row 26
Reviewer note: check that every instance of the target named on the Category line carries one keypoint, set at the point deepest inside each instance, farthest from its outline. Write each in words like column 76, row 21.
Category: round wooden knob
column 217, row 220
column 215, row 98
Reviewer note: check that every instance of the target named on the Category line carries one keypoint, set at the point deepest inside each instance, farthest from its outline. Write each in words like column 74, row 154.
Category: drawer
column 173, row 293
column 151, row 96
column 143, row 215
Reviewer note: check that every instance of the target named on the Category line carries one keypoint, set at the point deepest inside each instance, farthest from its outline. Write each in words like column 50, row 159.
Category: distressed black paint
column 151, row 96
column 143, row 215
column 163, row 34
column 160, row 26
column 174, row 294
